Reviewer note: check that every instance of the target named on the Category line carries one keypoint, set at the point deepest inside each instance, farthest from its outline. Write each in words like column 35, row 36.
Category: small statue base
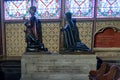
column 36, row 48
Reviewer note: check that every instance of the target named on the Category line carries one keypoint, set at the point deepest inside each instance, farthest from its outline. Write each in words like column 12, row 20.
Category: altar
column 37, row 66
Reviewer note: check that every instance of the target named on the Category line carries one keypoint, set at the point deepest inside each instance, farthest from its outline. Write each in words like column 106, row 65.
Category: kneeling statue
column 71, row 41
column 34, row 33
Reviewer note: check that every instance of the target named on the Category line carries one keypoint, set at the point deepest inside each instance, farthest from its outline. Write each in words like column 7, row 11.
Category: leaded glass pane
column 16, row 9
column 80, row 8
column 48, row 9
column 108, row 8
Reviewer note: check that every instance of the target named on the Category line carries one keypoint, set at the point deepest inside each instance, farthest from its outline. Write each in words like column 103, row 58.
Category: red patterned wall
column 109, row 37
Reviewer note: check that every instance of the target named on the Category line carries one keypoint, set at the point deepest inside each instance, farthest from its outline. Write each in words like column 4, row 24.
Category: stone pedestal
column 37, row 66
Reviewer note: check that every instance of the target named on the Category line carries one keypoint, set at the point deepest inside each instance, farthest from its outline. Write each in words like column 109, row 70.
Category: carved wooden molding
column 103, row 29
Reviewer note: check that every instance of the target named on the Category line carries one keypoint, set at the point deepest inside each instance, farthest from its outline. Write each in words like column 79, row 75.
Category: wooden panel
column 108, row 38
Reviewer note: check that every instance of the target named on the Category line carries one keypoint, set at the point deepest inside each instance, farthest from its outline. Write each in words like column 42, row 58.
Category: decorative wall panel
column 103, row 24
column 50, row 32
column 15, row 36
column 115, row 36
column 15, row 39
column 106, row 51
column 85, row 32
column 108, row 37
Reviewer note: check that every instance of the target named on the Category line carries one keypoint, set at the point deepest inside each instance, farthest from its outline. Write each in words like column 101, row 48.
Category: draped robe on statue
column 34, row 35
column 71, row 40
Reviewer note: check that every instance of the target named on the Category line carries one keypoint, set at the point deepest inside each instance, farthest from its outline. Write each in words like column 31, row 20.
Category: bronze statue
column 34, row 33
column 71, row 40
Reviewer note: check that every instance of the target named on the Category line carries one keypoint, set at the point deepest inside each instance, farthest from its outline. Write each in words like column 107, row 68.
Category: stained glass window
column 108, row 8
column 51, row 9
column 16, row 9
column 48, row 9
column 80, row 8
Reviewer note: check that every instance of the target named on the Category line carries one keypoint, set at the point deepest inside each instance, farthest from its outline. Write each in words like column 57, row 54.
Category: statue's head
column 32, row 10
column 68, row 16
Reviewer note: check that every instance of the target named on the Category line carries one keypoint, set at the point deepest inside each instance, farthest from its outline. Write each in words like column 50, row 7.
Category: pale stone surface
column 37, row 66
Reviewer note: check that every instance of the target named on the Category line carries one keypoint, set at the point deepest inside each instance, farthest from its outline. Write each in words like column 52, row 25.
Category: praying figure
column 71, row 40
column 34, row 33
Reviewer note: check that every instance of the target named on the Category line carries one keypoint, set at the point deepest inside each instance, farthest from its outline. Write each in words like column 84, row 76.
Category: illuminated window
column 48, row 9
column 108, row 8
column 80, row 8
column 51, row 9
column 16, row 9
